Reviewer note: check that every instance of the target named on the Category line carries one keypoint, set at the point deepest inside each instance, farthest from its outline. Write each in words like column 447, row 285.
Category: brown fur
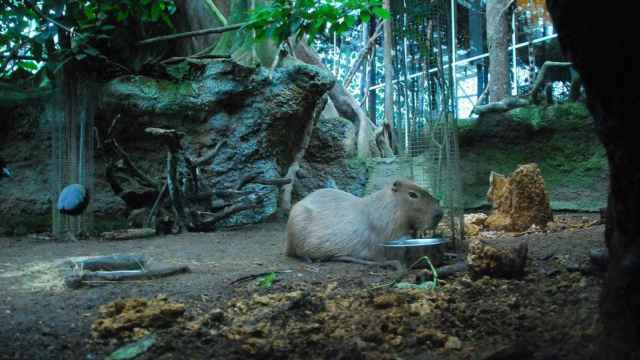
column 330, row 223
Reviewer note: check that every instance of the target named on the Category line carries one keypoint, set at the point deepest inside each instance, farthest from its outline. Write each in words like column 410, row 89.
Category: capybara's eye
column 413, row 195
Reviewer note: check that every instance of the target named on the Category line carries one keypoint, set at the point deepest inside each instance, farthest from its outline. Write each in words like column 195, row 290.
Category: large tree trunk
column 388, row 85
column 498, row 36
column 196, row 15
column 599, row 40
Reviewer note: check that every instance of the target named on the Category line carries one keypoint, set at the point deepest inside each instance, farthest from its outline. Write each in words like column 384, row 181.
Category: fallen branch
column 501, row 106
column 210, row 155
column 77, row 280
column 537, row 84
column 217, row 30
column 177, row 59
column 128, row 234
column 156, row 206
column 110, row 263
column 144, row 179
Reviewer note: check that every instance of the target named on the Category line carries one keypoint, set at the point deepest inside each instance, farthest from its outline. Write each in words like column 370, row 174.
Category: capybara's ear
column 396, row 185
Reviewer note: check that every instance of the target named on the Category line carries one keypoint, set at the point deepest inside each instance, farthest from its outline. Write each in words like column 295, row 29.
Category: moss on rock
column 560, row 138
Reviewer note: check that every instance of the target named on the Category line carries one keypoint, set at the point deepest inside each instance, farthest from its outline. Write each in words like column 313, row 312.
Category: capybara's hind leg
column 388, row 264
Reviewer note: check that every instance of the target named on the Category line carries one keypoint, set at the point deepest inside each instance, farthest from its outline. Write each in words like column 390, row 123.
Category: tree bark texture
column 345, row 104
column 599, row 39
column 498, row 38
column 372, row 96
column 196, row 15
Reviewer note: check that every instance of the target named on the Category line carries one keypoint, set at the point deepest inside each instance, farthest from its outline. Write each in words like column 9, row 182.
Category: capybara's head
column 421, row 210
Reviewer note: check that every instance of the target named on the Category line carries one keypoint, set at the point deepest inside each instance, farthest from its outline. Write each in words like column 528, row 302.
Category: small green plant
column 267, row 280
column 427, row 285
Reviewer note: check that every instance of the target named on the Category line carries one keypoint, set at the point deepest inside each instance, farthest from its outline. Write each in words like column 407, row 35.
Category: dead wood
column 503, row 105
column 210, row 155
column 110, row 263
column 128, row 234
column 77, row 280
column 537, row 84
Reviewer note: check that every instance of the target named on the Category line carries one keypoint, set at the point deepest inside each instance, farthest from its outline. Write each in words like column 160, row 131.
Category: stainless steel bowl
column 415, row 242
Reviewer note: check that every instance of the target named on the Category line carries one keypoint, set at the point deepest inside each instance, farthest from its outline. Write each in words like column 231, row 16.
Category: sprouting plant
column 267, row 280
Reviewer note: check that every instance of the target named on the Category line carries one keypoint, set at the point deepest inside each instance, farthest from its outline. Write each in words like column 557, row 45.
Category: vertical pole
column 514, row 65
column 406, row 78
column 454, row 85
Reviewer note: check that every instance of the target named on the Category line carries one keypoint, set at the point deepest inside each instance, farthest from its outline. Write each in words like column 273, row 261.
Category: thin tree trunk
column 498, row 37
column 388, row 83
column 364, row 80
column 372, row 97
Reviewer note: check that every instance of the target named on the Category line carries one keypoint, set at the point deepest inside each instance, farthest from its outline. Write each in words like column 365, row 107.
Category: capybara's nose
column 437, row 216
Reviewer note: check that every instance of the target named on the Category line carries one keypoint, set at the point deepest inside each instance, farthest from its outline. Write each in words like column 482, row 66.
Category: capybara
column 330, row 224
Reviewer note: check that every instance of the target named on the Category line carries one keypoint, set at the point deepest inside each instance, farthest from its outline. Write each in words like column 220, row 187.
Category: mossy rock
column 559, row 138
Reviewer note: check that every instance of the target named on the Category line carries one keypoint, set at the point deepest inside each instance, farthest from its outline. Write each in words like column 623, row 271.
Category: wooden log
column 78, row 279
column 110, row 263
column 128, row 234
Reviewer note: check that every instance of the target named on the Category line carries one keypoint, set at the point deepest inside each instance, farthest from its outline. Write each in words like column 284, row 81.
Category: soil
column 320, row 310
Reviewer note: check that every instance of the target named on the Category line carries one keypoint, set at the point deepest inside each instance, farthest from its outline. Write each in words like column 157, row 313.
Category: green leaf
column 267, row 280
column 28, row 65
column 156, row 10
column 381, row 13
column 365, row 17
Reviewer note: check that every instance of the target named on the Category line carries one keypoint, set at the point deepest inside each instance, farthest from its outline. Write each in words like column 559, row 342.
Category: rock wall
column 257, row 113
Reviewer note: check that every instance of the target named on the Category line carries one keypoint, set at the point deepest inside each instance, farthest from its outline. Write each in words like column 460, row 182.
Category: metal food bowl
column 415, row 242
column 408, row 251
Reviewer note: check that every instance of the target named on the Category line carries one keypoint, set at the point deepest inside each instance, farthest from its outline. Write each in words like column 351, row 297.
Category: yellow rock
column 520, row 200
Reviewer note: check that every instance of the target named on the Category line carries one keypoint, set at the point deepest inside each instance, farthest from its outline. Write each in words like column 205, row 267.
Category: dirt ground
column 321, row 310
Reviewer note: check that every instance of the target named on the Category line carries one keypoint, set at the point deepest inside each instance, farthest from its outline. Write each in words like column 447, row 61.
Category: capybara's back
column 324, row 224
column 331, row 223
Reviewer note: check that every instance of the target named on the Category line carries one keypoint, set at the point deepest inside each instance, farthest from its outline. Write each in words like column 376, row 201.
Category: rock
column 496, row 259
column 328, row 162
column 122, row 317
column 261, row 116
column 473, row 223
column 349, row 176
column 477, row 219
column 332, row 139
column 453, row 343
column 553, row 226
column 520, row 200
column 471, row 229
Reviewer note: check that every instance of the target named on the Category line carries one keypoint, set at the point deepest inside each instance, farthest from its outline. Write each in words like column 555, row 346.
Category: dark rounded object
column 73, row 200
column 599, row 257
column 4, row 170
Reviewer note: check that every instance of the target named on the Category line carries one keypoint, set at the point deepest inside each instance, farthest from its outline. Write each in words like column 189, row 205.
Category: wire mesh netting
column 425, row 112
column 70, row 114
